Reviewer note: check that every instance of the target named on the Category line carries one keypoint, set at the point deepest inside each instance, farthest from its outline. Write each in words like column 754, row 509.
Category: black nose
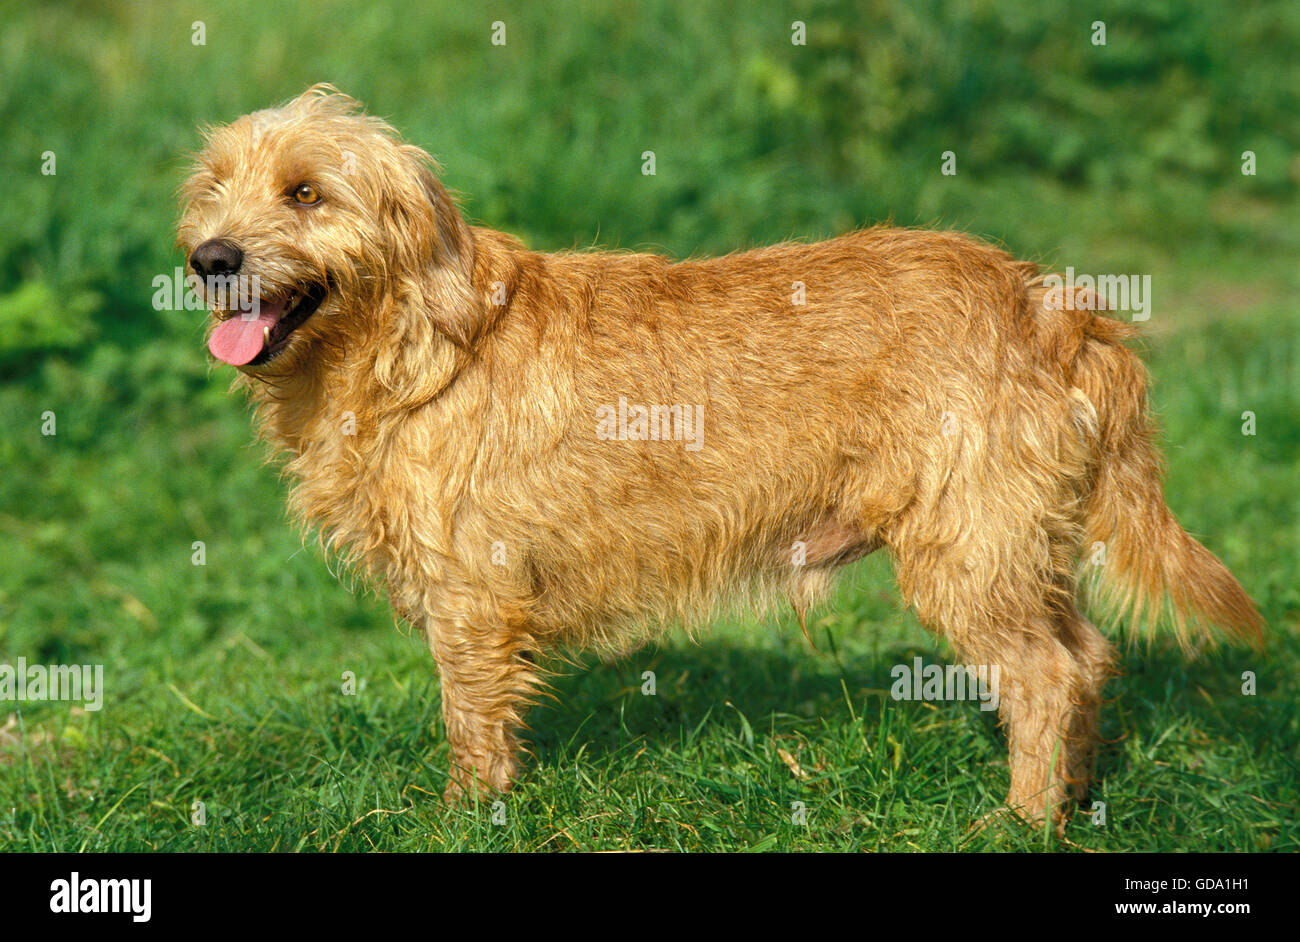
column 216, row 257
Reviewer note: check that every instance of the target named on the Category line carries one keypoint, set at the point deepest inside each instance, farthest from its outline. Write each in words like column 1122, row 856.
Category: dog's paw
column 1014, row 821
column 1001, row 818
column 465, row 789
column 454, row 794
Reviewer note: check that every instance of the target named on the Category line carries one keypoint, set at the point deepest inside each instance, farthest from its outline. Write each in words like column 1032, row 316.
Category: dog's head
column 313, row 227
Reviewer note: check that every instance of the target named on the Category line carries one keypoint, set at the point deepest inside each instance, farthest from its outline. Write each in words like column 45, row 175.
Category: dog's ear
column 432, row 245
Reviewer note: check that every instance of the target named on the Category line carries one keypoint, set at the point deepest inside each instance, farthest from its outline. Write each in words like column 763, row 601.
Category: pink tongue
column 239, row 339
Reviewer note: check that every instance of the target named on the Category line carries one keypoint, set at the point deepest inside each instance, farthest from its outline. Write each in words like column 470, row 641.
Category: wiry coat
column 440, row 414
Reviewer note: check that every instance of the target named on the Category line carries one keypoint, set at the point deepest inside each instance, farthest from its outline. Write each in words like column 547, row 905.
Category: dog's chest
column 382, row 497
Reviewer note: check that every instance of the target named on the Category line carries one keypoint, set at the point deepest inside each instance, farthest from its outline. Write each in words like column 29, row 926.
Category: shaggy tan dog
column 531, row 451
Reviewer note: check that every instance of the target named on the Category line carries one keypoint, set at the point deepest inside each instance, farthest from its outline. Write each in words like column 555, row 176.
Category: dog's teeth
column 266, row 335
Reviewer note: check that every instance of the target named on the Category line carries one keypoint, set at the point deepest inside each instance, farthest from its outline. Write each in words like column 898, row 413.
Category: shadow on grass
column 602, row 707
column 1158, row 686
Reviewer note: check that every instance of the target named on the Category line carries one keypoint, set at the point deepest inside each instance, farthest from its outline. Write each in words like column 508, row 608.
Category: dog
column 535, row 453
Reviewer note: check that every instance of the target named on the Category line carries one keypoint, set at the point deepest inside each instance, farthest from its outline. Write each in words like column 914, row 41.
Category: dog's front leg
column 487, row 679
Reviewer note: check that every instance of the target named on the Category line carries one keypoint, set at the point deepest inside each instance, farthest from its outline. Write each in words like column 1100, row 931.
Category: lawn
column 256, row 702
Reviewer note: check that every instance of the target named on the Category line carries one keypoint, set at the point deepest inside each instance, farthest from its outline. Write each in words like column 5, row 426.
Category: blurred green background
column 224, row 679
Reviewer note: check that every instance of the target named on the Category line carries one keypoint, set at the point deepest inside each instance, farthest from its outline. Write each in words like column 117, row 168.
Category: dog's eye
column 306, row 194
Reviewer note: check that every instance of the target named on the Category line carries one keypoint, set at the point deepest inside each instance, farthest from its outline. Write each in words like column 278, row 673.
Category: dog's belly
column 651, row 566
column 830, row 542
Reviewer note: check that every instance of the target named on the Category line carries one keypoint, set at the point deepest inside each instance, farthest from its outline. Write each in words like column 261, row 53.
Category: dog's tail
column 1150, row 568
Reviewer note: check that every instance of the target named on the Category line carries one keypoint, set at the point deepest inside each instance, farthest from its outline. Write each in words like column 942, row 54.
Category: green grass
column 224, row 680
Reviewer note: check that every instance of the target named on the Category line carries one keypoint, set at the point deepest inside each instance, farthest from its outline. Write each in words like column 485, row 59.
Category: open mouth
column 258, row 335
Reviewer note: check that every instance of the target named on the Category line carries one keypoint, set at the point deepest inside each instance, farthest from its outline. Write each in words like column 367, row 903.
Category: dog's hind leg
column 988, row 563
column 1006, row 620
column 1095, row 658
